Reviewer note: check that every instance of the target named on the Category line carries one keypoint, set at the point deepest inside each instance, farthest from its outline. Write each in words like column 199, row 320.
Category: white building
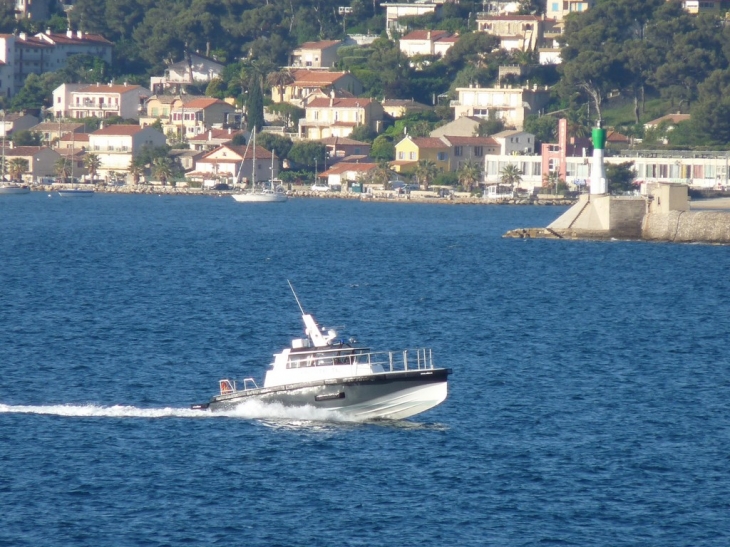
column 117, row 145
column 195, row 69
column 99, row 100
column 509, row 104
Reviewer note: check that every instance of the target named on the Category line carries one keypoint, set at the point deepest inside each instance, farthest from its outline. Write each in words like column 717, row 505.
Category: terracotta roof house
column 337, row 117
column 670, row 119
column 463, row 126
column 16, row 121
column 213, row 138
column 195, row 69
column 322, row 54
column 52, row 131
column 41, row 160
column 344, row 173
column 426, row 42
column 307, row 82
column 398, row 108
column 235, row 164
column 339, row 148
column 118, row 145
column 100, row 100
column 448, row 153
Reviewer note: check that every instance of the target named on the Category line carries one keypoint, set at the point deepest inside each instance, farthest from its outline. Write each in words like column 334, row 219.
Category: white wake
column 249, row 410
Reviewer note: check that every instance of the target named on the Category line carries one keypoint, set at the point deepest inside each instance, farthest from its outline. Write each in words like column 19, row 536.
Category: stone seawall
column 389, row 197
column 688, row 227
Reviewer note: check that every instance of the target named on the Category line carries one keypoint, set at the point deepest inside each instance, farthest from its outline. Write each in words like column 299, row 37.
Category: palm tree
column 63, row 168
column 280, row 79
column 92, row 162
column 552, row 180
column 511, row 175
column 425, row 172
column 162, row 169
column 136, row 169
column 470, row 174
column 381, row 175
column 17, row 166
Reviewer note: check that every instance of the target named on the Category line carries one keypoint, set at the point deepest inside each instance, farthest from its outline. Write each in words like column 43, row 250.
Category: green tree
column 470, row 174
column 363, row 133
column 62, row 167
column 511, row 175
column 382, row 149
column 307, row 153
column 545, row 128
column 7, row 17
column 92, row 162
column 255, row 106
column 280, row 79
column 162, row 169
column 278, row 143
column 17, row 167
column 425, row 172
column 136, row 169
column 489, row 127
column 27, row 138
column 620, row 177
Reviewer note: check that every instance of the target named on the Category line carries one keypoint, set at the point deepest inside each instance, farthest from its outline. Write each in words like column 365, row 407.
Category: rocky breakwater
column 663, row 213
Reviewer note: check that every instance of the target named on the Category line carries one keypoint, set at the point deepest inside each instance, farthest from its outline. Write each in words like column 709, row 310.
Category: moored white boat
column 261, row 195
column 327, row 373
column 76, row 193
column 10, row 188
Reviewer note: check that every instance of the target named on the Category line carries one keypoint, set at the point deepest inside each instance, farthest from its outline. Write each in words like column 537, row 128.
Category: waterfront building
column 99, row 100
column 117, row 145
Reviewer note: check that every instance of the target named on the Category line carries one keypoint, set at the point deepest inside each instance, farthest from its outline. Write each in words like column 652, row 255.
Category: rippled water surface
column 588, row 405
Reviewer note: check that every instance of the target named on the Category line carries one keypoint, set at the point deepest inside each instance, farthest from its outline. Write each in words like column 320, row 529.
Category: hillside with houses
column 494, row 97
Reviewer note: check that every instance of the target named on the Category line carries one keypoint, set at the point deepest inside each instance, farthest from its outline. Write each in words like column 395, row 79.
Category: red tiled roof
column 472, row 141
column 339, row 102
column 74, row 39
column 204, row 102
column 429, row 142
column 260, row 153
column 323, row 44
column 316, row 77
column 23, row 150
column 342, row 140
column 426, row 35
column 343, row 167
column 75, row 137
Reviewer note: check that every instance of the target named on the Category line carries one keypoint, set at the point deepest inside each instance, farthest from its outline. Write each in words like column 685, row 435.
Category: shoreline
column 381, row 197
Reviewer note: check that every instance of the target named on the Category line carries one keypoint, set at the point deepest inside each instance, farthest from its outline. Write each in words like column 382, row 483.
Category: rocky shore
column 392, row 197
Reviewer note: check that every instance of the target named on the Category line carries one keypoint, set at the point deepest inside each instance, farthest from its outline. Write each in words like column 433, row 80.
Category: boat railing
column 390, row 361
column 229, row 386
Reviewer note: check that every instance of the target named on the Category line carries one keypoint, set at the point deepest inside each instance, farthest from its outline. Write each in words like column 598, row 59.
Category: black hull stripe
column 428, row 376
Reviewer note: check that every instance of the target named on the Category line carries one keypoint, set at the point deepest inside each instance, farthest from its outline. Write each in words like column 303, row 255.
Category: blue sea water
column 589, row 403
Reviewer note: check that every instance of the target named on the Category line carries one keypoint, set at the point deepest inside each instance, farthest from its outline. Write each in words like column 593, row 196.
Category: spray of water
column 250, row 410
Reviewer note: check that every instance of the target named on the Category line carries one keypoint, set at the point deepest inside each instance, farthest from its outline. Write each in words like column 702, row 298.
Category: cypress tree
column 255, row 106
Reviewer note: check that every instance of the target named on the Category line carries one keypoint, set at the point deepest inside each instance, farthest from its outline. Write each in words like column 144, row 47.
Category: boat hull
column 76, row 193
column 389, row 395
column 14, row 190
column 260, row 198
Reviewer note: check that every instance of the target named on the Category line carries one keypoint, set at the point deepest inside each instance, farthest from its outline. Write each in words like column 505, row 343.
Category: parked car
column 320, row 188
column 402, row 185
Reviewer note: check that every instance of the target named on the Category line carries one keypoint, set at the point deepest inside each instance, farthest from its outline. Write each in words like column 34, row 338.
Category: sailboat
column 260, row 194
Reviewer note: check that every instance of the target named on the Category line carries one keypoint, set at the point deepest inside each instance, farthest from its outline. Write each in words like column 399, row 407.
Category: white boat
column 11, row 188
column 271, row 192
column 76, row 193
column 262, row 195
column 327, row 373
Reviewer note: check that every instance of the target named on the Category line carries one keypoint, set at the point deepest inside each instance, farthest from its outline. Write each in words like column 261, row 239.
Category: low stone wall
column 688, row 227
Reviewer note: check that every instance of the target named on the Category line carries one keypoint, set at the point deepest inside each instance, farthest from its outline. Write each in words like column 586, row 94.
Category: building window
column 478, row 151
column 441, row 156
column 458, row 151
column 401, row 155
column 411, row 155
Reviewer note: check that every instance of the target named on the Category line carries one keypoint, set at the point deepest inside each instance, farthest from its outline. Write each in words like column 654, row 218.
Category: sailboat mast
column 253, row 162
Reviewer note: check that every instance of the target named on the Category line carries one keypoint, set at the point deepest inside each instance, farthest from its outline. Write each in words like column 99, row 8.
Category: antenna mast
column 295, row 297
